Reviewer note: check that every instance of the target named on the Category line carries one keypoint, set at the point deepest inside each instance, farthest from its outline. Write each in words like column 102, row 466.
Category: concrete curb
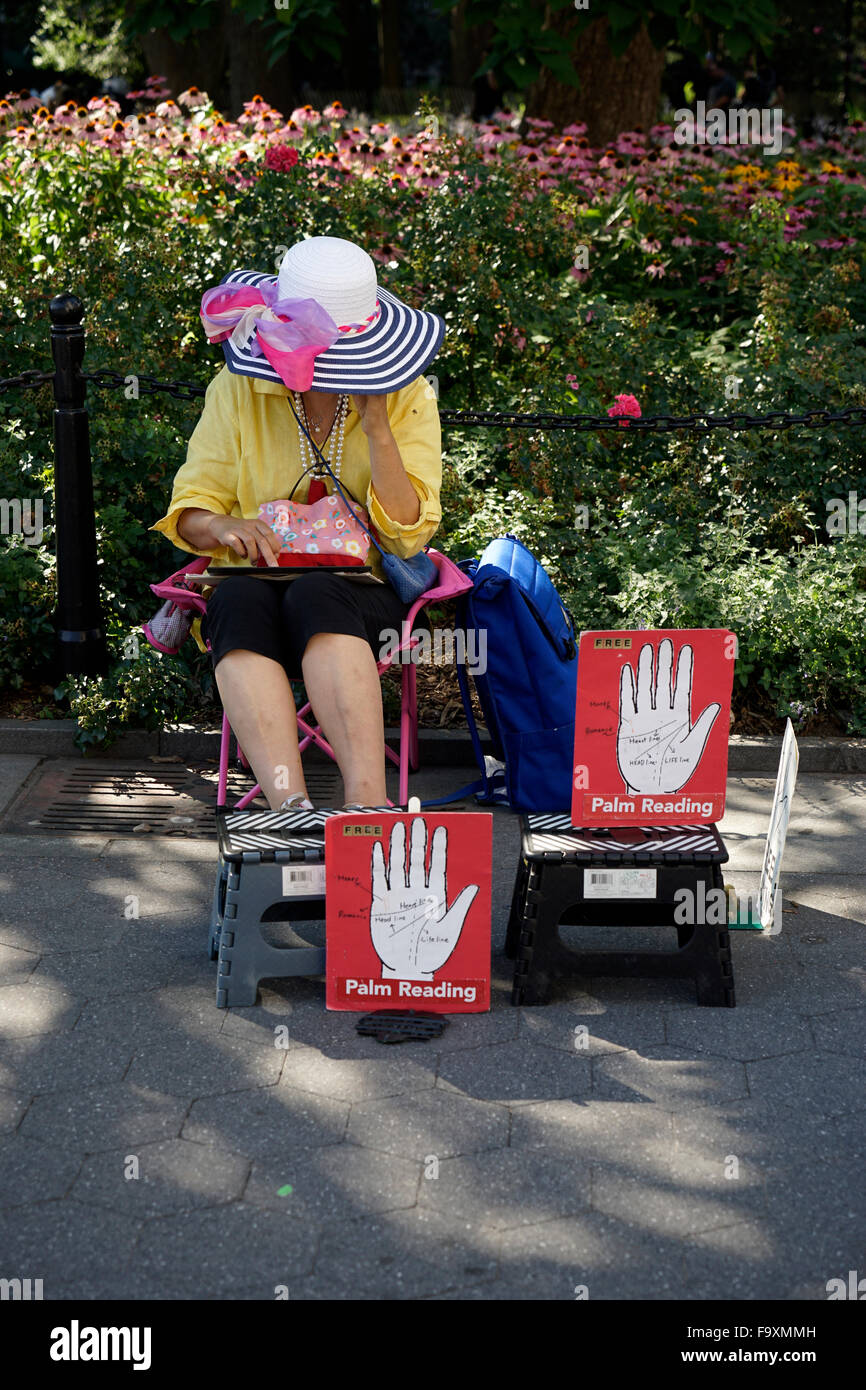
column 748, row 757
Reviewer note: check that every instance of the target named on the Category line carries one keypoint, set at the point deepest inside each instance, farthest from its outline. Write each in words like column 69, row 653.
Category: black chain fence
column 702, row 422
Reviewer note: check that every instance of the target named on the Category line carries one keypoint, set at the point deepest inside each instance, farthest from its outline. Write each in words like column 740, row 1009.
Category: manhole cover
column 112, row 798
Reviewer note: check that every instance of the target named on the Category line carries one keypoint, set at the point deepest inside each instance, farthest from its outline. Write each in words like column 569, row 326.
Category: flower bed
column 683, row 278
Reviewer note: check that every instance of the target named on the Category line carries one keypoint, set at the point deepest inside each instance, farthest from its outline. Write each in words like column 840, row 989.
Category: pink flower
column 624, row 405
column 572, row 381
column 192, row 98
column 23, row 101
column 655, row 270
column 281, row 157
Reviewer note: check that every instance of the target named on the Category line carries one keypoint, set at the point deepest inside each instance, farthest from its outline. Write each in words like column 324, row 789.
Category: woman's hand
column 373, row 411
column 245, row 537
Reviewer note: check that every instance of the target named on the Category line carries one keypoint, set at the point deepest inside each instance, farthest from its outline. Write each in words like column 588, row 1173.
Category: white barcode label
column 619, row 883
column 303, row 881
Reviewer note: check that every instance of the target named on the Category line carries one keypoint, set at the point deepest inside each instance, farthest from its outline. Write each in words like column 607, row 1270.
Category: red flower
column 624, row 405
column 281, row 157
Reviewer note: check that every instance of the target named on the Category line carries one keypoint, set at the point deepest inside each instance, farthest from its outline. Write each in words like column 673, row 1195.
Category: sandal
column 298, row 802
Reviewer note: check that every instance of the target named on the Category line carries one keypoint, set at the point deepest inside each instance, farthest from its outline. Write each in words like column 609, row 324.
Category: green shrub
column 674, row 529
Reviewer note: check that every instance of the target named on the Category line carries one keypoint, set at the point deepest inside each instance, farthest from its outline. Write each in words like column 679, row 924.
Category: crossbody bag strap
column 333, row 477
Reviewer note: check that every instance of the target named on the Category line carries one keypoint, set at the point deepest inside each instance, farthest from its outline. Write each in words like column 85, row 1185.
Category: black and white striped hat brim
column 387, row 356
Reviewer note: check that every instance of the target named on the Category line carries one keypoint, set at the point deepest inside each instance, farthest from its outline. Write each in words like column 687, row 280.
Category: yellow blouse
column 245, row 451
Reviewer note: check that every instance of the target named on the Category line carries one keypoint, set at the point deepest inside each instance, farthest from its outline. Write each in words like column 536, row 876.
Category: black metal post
column 81, row 648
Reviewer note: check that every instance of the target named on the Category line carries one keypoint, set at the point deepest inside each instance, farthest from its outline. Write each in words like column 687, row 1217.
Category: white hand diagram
column 412, row 928
column 657, row 748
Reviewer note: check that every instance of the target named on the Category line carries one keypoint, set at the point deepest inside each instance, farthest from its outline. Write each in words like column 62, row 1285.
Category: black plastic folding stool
column 569, row 876
column 271, row 862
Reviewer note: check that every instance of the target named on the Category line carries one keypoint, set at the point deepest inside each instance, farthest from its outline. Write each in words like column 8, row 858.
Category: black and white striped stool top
column 553, row 837
column 268, row 832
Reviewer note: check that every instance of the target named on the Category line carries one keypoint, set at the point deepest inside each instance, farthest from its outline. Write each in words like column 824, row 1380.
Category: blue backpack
column 514, row 619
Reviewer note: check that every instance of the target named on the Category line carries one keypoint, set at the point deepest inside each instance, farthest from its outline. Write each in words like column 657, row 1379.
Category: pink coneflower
column 655, row 270
column 304, row 116
column 495, row 136
column 192, row 98
column 217, row 132
column 106, row 108
column 624, row 405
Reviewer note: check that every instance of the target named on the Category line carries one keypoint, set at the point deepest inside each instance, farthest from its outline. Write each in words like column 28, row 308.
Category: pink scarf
column 290, row 332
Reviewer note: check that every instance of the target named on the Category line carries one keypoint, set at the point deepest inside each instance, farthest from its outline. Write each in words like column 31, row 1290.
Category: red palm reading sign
column 651, row 727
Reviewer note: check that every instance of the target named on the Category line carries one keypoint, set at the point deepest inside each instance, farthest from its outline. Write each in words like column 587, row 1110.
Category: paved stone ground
column 607, row 1167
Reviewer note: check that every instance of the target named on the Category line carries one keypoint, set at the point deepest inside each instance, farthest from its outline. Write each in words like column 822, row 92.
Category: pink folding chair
column 452, row 582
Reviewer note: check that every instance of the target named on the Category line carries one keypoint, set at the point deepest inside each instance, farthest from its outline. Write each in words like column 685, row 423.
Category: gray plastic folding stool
column 268, row 859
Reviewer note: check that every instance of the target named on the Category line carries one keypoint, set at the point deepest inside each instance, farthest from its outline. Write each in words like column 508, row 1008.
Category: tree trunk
column 197, row 62
column 615, row 94
column 390, row 66
column 229, row 62
column 462, row 65
column 357, row 69
column 249, row 74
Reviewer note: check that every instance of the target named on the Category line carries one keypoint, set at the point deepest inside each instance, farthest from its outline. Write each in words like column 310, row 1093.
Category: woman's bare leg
column 258, row 700
column 343, row 686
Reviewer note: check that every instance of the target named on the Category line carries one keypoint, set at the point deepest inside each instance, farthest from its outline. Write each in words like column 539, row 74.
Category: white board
column 786, row 780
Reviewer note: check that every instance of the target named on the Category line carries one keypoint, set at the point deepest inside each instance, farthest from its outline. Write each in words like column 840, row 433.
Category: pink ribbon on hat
column 290, row 332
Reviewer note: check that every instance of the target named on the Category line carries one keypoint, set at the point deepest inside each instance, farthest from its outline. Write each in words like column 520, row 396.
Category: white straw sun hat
column 355, row 336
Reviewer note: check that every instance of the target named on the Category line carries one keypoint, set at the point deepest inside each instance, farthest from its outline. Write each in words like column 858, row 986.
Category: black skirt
column 277, row 620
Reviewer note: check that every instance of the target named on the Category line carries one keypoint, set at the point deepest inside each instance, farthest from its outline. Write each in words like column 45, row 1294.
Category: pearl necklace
column 337, row 432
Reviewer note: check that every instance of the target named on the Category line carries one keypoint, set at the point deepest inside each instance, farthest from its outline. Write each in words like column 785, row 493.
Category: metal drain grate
column 112, row 798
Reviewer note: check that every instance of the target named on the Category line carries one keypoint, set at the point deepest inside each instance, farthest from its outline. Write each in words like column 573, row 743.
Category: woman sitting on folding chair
column 319, row 353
